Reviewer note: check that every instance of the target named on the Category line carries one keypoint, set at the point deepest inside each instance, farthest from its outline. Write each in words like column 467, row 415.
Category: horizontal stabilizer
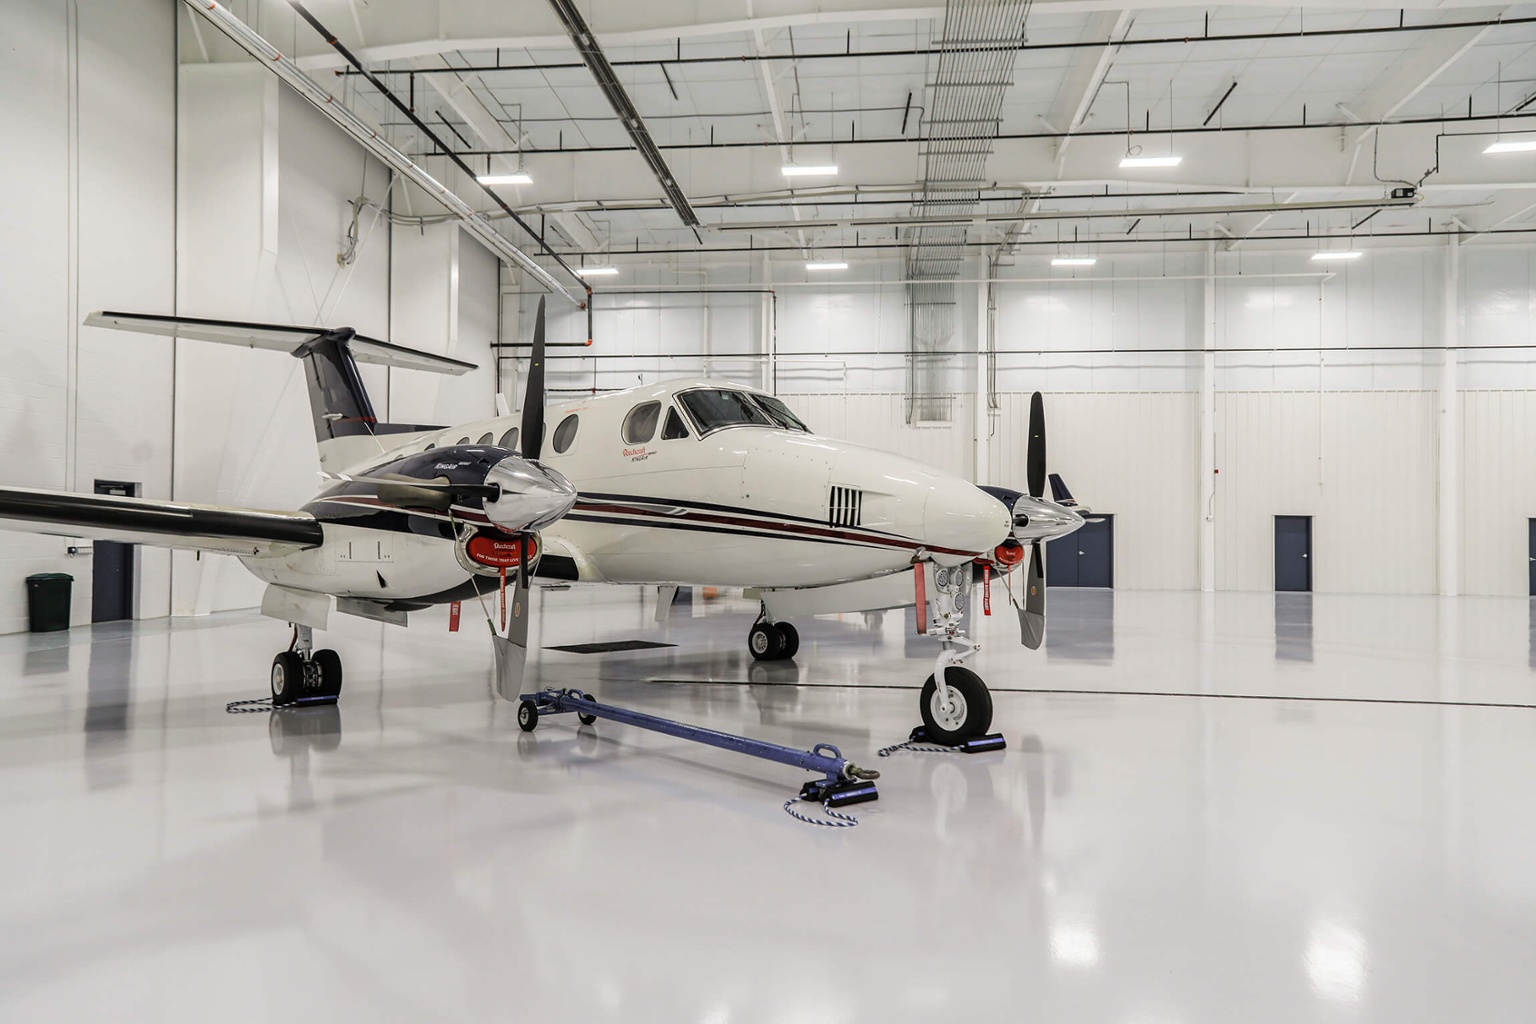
column 279, row 337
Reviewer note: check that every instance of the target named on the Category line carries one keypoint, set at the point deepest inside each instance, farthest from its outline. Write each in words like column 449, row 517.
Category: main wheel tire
column 287, row 678
column 791, row 637
column 586, row 719
column 329, row 664
column 970, row 713
column 528, row 716
column 765, row 642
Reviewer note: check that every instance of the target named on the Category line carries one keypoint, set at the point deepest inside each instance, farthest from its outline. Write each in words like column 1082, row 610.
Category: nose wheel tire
column 791, row 639
column 966, row 715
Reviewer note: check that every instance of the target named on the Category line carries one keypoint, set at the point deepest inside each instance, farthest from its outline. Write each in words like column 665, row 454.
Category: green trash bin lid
column 38, row 577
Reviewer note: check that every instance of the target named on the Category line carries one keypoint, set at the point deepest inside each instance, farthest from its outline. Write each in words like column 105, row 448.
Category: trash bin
column 48, row 601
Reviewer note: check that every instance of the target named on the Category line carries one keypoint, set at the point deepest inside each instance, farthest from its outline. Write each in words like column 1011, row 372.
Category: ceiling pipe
column 969, row 220
column 1052, row 136
column 284, row 68
column 1021, row 47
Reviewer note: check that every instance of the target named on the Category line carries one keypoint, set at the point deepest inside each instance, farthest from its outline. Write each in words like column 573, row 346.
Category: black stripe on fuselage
column 763, row 533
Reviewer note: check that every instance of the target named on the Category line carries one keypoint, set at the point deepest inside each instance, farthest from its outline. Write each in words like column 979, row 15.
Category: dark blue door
column 1293, row 552
column 112, row 568
column 1532, row 552
column 1085, row 558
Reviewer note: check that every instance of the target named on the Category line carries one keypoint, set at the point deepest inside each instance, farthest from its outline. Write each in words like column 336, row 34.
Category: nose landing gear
column 955, row 704
column 773, row 641
column 303, row 675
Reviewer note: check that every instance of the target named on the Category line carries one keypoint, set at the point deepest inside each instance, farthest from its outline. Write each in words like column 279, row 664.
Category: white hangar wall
column 205, row 190
column 1326, row 393
column 89, row 96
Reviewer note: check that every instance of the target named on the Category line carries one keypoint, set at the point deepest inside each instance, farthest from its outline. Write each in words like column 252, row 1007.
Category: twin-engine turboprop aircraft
column 691, row 482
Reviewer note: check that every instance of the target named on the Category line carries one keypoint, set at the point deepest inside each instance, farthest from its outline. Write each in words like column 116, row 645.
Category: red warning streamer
column 986, row 589
column 503, row 599
column 453, row 617
column 919, row 585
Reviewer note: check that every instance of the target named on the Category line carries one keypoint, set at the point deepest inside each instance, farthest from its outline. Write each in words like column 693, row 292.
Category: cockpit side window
column 713, row 410
column 675, row 428
column 781, row 414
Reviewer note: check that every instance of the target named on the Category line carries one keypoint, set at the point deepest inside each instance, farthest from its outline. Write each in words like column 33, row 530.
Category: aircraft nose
column 532, row 495
column 961, row 517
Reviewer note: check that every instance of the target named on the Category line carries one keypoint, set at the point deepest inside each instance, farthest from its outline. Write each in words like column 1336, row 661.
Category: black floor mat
column 610, row 647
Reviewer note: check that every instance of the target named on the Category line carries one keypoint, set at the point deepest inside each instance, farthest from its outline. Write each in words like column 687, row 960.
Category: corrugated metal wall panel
column 1134, row 454
column 1498, row 493
column 1362, row 463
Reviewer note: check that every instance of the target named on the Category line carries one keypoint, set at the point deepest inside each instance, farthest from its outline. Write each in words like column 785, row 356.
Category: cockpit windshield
column 712, row 410
column 781, row 414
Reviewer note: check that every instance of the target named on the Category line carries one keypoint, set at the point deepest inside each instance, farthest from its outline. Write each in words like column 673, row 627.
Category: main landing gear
column 773, row 641
column 955, row 704
column 302, row 675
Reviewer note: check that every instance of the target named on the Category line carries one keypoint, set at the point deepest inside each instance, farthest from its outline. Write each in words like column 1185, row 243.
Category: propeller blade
column 533, row 396
column 1036, row 457
column 1032, row 615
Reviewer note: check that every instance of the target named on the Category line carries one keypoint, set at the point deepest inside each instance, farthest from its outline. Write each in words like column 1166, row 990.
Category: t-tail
column 347, row 431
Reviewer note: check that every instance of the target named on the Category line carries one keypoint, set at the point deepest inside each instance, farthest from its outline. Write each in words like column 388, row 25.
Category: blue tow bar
column 842, row 783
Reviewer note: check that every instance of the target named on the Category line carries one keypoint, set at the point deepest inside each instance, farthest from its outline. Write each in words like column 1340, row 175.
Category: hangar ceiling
column 1289, row 124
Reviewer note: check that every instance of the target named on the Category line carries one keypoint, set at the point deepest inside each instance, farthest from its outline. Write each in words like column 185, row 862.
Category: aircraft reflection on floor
column 1293, row 627
column 108, row 695
column 1082, row 625
column 1533, row 633
column 295, row 733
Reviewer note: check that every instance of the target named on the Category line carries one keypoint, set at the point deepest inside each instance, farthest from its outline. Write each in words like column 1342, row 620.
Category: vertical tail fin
column 346, row 428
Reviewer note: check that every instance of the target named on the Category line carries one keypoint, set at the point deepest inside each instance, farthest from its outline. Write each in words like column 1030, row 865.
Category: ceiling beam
column 1081, row 84
column 602, row 72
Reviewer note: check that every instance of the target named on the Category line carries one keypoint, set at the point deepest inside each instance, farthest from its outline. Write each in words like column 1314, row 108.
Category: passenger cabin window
column 781, row 414
column 464, row 440
column 486, row 438
column 640, row 424
column 715, row 410
column 509, row 439
column 675, row 427
column 565, row 433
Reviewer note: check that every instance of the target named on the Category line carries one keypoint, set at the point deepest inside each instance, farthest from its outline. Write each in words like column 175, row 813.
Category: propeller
column 439, row 494
column 533, row 396
column 1032, row 614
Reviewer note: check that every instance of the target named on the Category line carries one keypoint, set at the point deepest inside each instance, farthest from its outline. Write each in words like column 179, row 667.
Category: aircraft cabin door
column 112, row 567
column 1293, row 553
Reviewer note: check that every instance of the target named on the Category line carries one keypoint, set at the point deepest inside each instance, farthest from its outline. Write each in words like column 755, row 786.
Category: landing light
column 515, row 178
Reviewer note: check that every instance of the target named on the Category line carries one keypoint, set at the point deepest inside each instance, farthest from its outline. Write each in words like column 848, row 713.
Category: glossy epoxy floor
column 1169, row 837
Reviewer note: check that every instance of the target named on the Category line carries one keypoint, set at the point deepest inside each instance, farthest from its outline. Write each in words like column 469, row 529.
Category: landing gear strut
column 773, row 641
column 955, row 704
column 303, row 675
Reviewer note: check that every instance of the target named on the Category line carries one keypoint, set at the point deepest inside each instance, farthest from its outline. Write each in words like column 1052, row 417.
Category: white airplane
column 691, row 482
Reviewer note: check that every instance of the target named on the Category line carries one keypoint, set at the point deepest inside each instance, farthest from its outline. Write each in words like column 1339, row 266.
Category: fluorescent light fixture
column 801, row 170
column 1512, row 146
column 1337, row 255
column 827, row 265
column 515, row 178
column 1150, row 161
column 597, row 271
column 1074, row 261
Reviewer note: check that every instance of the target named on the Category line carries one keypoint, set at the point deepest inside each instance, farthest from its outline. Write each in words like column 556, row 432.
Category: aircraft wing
column 167, row 524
